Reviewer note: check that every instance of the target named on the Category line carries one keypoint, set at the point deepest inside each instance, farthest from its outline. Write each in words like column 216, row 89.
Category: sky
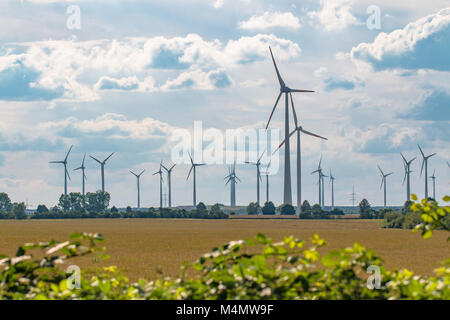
column 123, row 76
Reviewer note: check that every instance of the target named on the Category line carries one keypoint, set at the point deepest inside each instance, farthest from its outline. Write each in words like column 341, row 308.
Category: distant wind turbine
column 83, row 176
column 102, row 167
column 433, row 178
column 425, row 163
column 407, row 166
column 193, row 168
column 319, row 171
column 160, row 185
column 332, row 178
column 384, row 182
column 66, row 173
column 298, row 129
column 169, row 181
column 287, row 193
column 267, row 174
column 258, row 176
column 138, row 178
column 233, row 178
column 323, row 188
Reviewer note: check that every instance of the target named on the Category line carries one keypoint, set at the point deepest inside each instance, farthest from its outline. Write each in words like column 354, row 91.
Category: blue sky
column 138, row 70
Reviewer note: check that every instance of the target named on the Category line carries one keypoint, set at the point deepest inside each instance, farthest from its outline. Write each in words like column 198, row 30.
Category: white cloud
column 270, row 20
column 335, row 15
column 397, row 49
column 68, row 65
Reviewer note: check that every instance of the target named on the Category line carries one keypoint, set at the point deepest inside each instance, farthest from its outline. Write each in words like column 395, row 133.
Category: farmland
column 141, row 247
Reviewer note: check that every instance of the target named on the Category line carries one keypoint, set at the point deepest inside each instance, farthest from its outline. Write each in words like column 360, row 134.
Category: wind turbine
column 319, row 171
column 258, row 176
column 66, row 173
column 332, row 178
column 323, row 188
column 160, row 185
column 407, row 165
column 425, row 163
column 232, row 177
column 193, row 168
column 138, row 177
column 169, row 182
column 384, row 182
column 433, row 177
column 267, row 174
column 102, row 167
column 298, row 129
column 83, row 175
column 287, row 196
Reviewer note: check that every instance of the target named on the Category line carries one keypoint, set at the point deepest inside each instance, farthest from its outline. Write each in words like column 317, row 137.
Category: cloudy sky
column 137, row 70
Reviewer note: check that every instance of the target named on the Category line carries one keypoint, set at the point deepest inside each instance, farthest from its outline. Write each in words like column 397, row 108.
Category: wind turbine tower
column 332, row 178
column 138, row 178
column 384, row 182
column 169, row 182
column 433, row 178
column 232, row 177
column 258, row 176
column 66, row 173
column 287, row 193
column 102, row 167
column 160, row 185
column 407, row 166
column 193, row 168
column 425, row 164
column 319, row 171
column 83, row 176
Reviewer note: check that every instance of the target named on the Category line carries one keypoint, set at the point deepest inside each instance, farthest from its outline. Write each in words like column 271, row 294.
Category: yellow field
column 141, row 247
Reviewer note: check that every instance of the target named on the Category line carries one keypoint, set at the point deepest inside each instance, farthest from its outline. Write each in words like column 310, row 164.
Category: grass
column 142, row 247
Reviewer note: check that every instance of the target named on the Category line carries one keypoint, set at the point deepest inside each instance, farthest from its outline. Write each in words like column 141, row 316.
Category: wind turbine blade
column 381, row 186
column 109, row 157
column 134, row 174
column 280, row 80
column 238, row 179
column 432, row 155
column 141, row 172
column 423, row 155
column 297, row 90
column 164, row 167
column 56, row 161
column 312, row 134
column 190, row 157
column 404, row 159
column 96, row 159
column 67, row 156
column 77, row 169
column 391, row 173
column 293, row 111
column 404, row 178
column 190, row 172
column 380, row 170
column 282, row 143
column 262, row 154
column 84, row 158
column 320, row 162
column 172, row 167
column 412, row 160
column 273, row 110
column 68, row 175
column 421, row 169
column 315, row 171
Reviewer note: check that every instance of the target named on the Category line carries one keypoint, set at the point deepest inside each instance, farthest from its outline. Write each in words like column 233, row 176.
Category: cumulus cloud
column 271, row 20
column 61, row 69
column 335, row 15
column 422, row 44
column 335, row 82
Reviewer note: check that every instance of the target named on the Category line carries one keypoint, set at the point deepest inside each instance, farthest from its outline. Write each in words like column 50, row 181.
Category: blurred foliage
column 258, row 268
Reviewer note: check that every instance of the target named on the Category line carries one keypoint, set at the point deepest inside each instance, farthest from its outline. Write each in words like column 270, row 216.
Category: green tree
column 73, row 202
column 5, row 202
column 364, row 208
column 306, row 207
column 18, row 211
column 252, row 208
column 269, row 208
column 42, row 208
column 97, row 201
column 201, row 206
column 114, row 209
column 287, row 209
